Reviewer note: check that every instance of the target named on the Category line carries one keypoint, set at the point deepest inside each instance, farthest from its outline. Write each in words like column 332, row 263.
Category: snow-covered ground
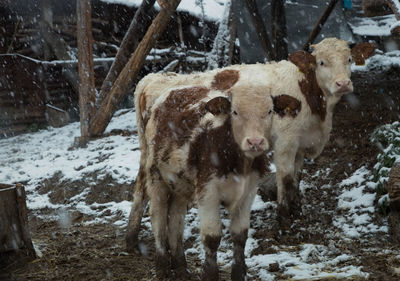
column 211, row 10
column 32, row 158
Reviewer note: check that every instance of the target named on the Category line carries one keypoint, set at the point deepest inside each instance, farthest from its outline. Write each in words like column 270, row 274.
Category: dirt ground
column 97, row 252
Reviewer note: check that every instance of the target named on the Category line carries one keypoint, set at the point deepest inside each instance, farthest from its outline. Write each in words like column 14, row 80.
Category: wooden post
column 136, row 30
column 86, row 68
column 278, row 29
column 16, row 244
column 317, row 28
column 232, row 36
column 260, row 29
column 131, row 70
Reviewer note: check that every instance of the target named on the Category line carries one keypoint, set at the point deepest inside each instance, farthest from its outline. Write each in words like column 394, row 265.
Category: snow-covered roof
column 213, row 9
column 374, row 26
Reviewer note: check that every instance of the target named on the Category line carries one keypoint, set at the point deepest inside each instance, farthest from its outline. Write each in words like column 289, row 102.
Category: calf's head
column 331, row 60
column 249, row 109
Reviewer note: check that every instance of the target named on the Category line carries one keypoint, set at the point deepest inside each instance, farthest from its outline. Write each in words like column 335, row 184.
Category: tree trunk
column 260, row 29
column 15, row 240
column 131, row 70
column 129, row 44
column 317, row 28
column 85, row 67
column 222, row 43
column 278, row 29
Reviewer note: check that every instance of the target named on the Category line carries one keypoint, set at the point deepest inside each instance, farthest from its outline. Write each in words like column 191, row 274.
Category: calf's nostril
column 255, row 143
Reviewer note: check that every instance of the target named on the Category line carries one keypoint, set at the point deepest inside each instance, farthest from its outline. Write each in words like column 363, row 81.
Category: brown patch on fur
column 154, row 173
column 175, row 121
column 142, row 108
column 362, row 51
column 219, row 105
column 142, row 102
column 304, row 61
column 225, row 79
column 261, row 165
column 215, row 151
column 286, row 105
column 309, row 86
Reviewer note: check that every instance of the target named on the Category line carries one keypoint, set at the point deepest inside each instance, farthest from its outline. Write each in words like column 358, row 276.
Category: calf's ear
column 361, row 52
column 304, row 61
column 219, row 105
column 285, row 105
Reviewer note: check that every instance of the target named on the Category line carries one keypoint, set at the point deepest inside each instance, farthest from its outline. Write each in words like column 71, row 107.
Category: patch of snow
column 357, row 178
column 374, row 26
column 395, row 25
column 380, row 61
column 356, row 206
column 306, row 263
column 213, row 9
column 32, row 158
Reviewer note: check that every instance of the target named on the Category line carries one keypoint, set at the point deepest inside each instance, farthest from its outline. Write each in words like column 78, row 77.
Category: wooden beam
column 260, row 29
column 317, row 28
column 129, row 44
column 85, row 68
column 131, row 70
column 278, row 29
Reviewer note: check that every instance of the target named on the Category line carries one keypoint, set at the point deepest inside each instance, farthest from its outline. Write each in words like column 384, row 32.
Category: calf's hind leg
column 159, row 196
column 176, row 217
column 284, row 158
column 140, row 201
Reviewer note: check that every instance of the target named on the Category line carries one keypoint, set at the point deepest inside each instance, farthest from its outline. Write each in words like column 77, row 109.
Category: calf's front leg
column 240, row 223
column 210, row 226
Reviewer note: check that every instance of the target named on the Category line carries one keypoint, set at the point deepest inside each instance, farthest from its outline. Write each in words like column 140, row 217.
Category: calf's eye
column 235, row 113
column 349, row 59
column 321, row 63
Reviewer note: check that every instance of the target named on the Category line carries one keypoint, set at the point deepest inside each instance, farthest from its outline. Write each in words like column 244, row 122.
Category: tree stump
column 393, row 189
column 15, row 240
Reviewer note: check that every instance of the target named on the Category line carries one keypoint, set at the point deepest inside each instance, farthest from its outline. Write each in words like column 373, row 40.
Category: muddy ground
column 97, row 252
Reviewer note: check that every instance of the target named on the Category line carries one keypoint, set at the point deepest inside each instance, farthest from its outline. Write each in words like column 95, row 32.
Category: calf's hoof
column 163, row 269
column 284, row 217
column 238, row 272
column 132, row 243
column 179, row 267
column 210, row 273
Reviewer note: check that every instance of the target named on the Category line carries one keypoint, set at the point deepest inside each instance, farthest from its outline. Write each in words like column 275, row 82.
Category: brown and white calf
column 203, row 144
column 318, row 80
